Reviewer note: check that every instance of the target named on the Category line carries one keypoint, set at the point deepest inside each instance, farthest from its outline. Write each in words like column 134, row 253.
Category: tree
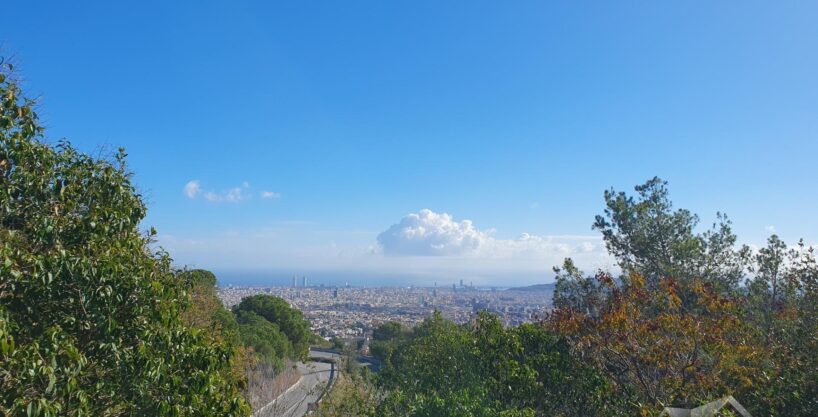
column 667, row 353
column 578, row 292
column 277, row 311
column 783, row 305
column 771, row 290
column 385, row 339
column 648, row 237
column 217, row 324
column 266, row 339
column 90, row 315
column 389, row 330
column 484, row 369
column 676, row 328
column 206, row 310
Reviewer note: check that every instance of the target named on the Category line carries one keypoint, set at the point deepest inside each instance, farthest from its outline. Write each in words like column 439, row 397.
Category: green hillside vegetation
column 269, row 324
column 264, row 329
column 263, row 354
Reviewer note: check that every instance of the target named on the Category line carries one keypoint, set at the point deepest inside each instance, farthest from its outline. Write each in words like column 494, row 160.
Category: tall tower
column 295, row 284
column 304, row 281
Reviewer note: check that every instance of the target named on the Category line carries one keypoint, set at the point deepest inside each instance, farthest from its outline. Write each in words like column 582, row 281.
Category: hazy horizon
column 329, row 278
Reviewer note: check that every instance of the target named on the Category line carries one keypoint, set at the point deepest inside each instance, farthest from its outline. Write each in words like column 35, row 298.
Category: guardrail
column 312, row 407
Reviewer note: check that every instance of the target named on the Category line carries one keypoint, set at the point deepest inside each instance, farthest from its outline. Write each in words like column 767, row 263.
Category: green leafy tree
column 783, row 304
column 289, row 320
column 268, row 342
column 206, row 310
column 677, row 328
column 385, row 339
column 576, row 291
column 647, row 236
column 90, row 315
column 484, row 369
column 390, row 330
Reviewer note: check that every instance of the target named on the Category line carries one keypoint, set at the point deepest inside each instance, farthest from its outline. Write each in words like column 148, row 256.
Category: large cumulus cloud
column 427, row 233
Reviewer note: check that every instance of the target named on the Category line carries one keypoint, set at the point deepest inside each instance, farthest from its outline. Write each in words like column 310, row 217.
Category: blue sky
column 513, row 115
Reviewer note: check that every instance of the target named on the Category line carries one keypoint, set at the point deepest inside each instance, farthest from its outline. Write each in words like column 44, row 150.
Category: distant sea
column 278, row 278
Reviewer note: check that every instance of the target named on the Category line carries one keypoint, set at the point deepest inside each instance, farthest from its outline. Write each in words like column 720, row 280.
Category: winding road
column 315, row 378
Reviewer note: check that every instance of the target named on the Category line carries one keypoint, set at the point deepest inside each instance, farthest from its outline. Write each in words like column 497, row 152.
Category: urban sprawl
column 352, row 312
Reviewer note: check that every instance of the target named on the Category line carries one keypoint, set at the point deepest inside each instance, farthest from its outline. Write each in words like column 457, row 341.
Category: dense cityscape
column 352, row 312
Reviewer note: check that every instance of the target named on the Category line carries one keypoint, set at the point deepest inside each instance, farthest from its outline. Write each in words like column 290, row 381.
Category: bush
column 89, row 314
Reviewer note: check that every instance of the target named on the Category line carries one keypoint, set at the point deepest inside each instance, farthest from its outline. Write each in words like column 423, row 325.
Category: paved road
column 295, row 402
column 369, row 361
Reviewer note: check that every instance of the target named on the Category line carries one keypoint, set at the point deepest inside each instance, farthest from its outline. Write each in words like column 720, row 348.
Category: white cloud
column 543, row 247
column 232, row 195
column 192, row 189
column 770, row 229
column 427, row 233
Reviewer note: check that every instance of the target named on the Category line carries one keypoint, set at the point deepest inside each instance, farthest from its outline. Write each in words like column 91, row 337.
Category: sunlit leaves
column 89, row 313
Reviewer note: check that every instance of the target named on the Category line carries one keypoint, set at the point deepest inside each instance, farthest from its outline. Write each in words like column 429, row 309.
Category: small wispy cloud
column 233, row 195
column 192, row 189
column 268, row 195
column 770, row 229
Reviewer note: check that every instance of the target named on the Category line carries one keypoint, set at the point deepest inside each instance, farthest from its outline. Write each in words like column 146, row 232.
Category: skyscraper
column 304, row 281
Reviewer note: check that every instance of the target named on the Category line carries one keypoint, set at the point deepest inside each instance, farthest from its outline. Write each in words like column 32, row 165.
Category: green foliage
column 206, row 310
column 385, row 339
column 352, row 395
column 89, row 315
column 677, row 328
column 200, row 278
column 289, row 320
column 576, row 291
column 388, row 331
column 338, row 344
column 783, row 304
column 442, row 369
column 648, row 237
column 266, row 339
